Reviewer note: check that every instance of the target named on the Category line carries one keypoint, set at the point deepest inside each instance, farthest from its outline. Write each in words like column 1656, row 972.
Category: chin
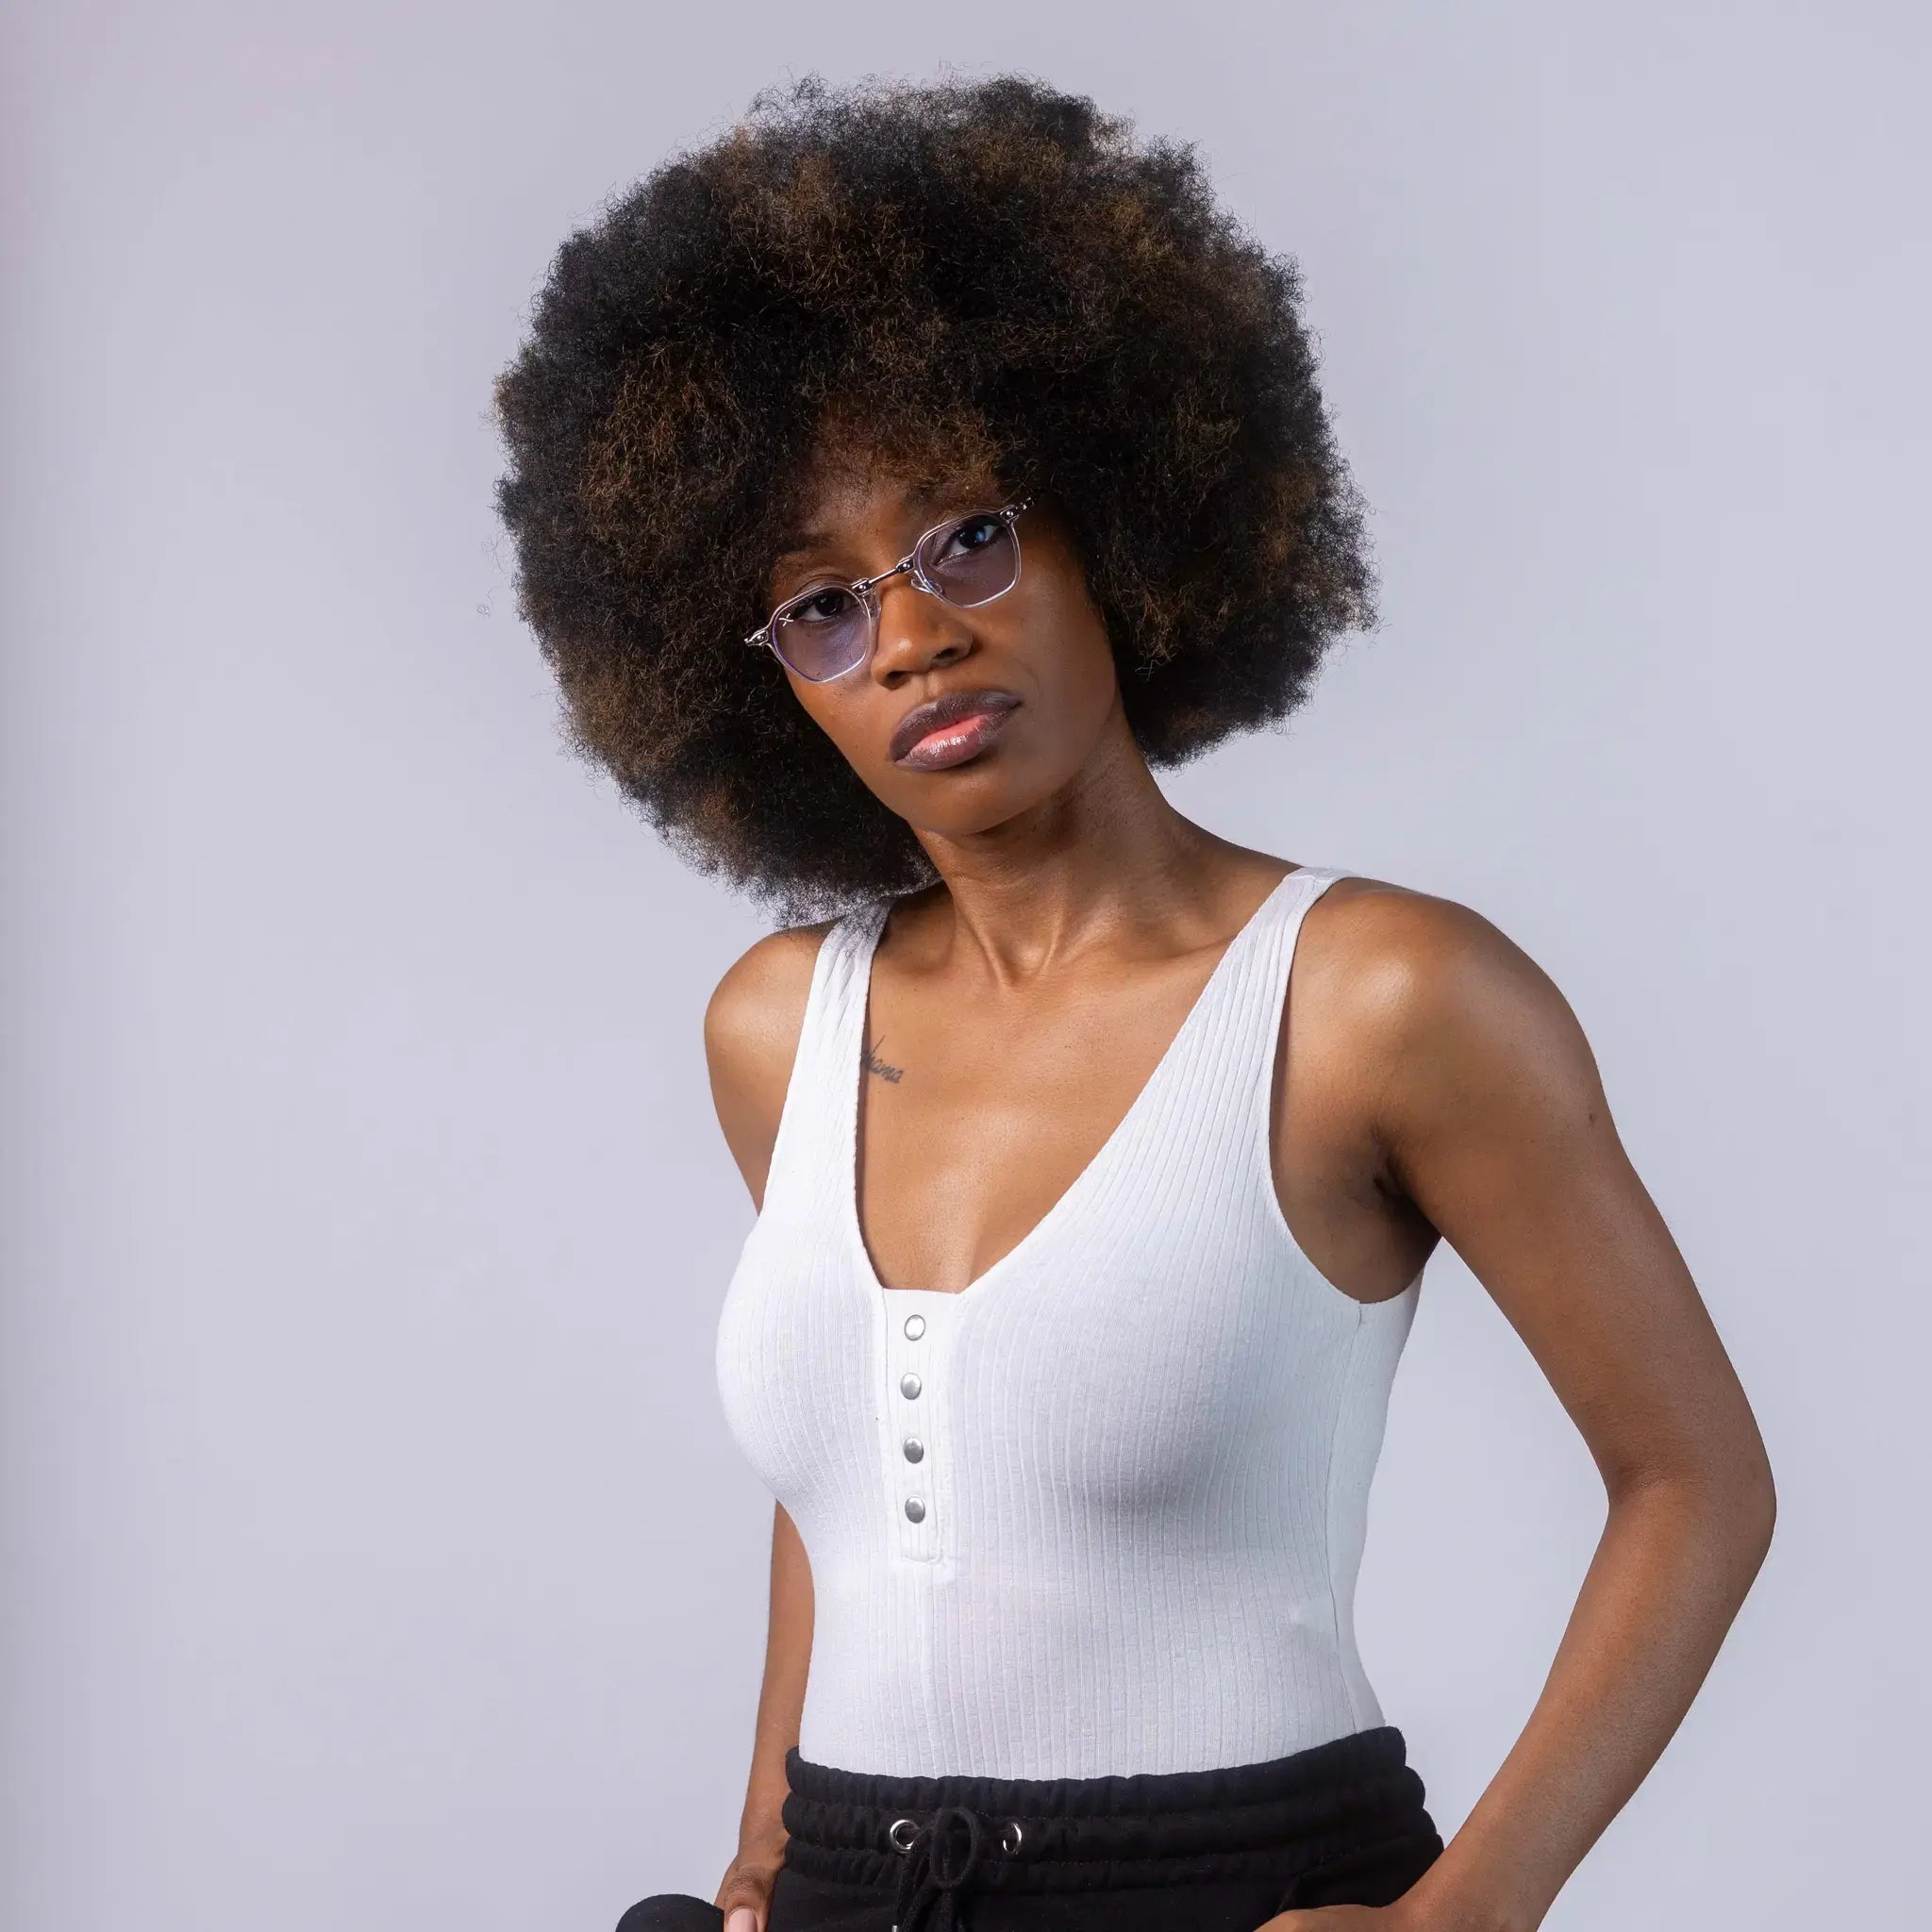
column 980, row 808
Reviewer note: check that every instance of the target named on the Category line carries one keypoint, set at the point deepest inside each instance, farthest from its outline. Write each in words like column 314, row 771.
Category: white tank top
column 1100, row 1511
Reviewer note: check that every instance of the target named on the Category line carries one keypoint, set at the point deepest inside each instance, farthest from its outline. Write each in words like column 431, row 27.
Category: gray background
column 374, row 1553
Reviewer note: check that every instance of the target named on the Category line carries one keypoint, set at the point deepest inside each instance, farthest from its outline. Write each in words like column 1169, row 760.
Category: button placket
column 911, row 1440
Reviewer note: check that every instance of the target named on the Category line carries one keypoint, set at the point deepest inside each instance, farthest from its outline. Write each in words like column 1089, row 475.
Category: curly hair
column 989, row 278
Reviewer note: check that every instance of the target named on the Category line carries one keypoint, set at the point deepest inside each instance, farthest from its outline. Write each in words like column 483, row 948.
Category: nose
column 917, row 632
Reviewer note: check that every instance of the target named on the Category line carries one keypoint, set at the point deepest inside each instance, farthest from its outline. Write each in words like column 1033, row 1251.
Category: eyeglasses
column 965, row 562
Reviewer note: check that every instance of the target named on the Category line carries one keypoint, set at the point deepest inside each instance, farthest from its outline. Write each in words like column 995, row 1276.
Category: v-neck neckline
column 1103, row 1155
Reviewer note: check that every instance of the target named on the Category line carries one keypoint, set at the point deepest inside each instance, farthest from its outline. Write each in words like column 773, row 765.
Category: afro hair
column 989, row 276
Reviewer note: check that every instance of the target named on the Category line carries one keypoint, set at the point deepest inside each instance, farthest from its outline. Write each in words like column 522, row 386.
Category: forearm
column 781, row 1696
column 1674, row 1562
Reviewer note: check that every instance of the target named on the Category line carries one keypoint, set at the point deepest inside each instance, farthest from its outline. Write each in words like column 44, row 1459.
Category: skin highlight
column 1431, row 1083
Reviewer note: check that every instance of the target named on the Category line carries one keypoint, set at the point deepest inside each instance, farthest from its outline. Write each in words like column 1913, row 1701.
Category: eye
column 969, row 534
column 829, row 604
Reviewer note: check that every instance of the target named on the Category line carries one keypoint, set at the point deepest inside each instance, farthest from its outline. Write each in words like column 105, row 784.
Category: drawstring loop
column 941, row 1855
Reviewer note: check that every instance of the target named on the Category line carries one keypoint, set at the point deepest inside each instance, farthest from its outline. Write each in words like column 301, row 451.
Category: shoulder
column 1403, row 940
column 752, row 1026
column 1431, row 997
column 753, row 1016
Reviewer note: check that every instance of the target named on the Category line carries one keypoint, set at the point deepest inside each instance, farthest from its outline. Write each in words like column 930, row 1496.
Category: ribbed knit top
column 1100, row 1511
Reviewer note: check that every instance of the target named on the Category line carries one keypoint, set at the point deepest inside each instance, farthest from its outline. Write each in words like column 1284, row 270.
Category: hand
column 745, row 1893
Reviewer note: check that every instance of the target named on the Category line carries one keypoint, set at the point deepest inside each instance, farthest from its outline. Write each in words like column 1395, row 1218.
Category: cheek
column 854, row 724
column 1078, row 666
column 811, row 701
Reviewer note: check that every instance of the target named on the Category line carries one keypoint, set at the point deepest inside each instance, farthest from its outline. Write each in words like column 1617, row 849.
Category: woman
column 895, row 482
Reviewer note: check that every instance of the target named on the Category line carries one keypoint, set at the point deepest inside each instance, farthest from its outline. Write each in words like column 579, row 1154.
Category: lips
column 950, row 728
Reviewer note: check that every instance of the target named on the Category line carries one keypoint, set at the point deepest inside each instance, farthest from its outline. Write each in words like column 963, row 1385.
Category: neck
column 1103, row 858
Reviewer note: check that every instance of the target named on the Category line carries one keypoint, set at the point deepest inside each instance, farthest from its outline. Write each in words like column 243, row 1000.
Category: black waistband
column 923, row 1837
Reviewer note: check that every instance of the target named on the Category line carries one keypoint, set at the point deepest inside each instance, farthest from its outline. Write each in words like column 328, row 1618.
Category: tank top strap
column 1216, row 1085
column 1259, row 987
column 812, row 1140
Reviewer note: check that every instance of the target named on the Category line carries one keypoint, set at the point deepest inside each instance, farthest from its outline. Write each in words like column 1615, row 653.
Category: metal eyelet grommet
column 893, row 1836
column 1011, row 1837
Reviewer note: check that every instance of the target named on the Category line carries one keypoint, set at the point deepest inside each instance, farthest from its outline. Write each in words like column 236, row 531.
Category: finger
column 746, row 1903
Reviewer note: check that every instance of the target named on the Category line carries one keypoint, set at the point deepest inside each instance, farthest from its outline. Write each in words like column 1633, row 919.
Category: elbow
column 1759, row 1507
column 1728, row 1500
column 1740, row 1507
column 1749, row 1493
column 1751, row 1518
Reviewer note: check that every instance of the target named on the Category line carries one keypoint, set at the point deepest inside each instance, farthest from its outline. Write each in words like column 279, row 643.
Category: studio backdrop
column 374, row 1552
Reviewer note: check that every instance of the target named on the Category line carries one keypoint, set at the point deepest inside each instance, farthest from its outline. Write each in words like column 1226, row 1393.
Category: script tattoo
column 875, row 1065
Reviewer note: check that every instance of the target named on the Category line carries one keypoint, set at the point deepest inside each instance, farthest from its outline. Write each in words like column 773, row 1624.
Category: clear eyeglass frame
column 914, row 563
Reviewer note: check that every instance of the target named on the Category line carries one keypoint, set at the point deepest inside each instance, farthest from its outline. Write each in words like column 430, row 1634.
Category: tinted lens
column 822, row 632
column 973, row 559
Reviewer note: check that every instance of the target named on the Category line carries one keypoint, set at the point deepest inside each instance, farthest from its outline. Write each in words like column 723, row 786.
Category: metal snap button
column 915, row 1449
column 909, row 1385
column 915, row 1327
column 915, row 1510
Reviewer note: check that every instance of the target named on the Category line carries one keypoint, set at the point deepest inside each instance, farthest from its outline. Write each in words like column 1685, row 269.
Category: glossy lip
column 949, row 709
column 954, row 744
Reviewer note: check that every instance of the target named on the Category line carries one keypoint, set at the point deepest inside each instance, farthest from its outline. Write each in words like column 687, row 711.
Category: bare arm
column 1492, row 1121
column 751, row 1037
column 747, row 1881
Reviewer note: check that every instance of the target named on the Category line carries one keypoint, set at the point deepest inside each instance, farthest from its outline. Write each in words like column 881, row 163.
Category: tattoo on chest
column 875, row 1065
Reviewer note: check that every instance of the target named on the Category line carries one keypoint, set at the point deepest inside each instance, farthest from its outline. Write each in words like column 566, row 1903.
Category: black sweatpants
column 1191, row 1851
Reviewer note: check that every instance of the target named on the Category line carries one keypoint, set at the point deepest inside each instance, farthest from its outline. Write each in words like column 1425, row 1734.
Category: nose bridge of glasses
column 928, row 616
column 909, row 565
